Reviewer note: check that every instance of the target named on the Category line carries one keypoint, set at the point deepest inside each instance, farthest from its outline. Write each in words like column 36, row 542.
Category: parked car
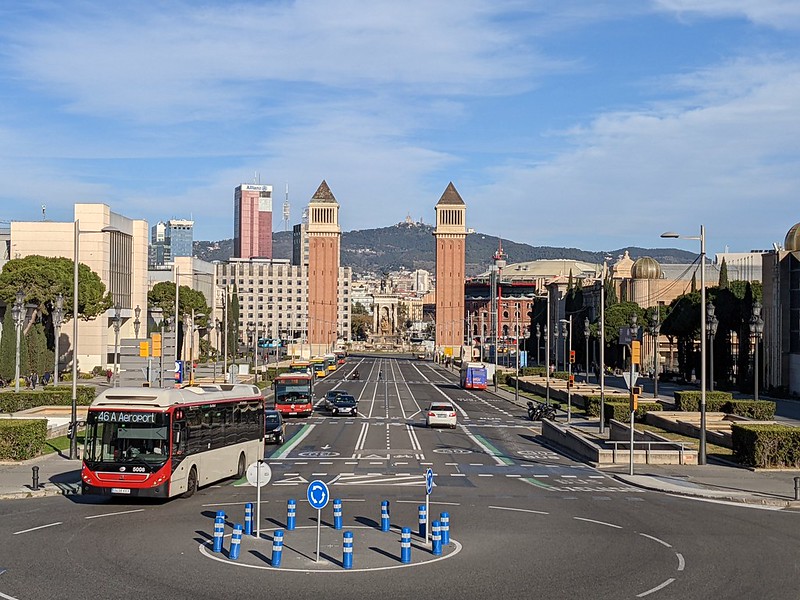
column 344, row 404
column 327, row 403
column 274, row 429
column 441, row 414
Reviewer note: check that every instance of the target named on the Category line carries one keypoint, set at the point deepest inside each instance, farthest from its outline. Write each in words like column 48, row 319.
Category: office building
column 252, row 221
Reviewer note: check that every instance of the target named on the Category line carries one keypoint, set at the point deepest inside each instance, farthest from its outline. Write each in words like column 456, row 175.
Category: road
column 526, row 521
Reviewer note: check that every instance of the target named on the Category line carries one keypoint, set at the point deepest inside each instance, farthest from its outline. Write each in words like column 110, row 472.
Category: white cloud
column 780, row 14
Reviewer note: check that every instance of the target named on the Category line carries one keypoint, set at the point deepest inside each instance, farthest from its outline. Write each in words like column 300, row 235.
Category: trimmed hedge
column 49, row 396
column 689, row 400
column 540, row 371
column 766, row 446
column 21, row 439
column 621, row 411
column 762, row 410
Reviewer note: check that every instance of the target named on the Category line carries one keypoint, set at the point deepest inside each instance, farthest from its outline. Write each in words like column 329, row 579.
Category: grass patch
column 692, row 443
column 60, row 444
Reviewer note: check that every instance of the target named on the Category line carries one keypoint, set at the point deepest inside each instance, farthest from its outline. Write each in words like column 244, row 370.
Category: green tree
column 233, row 323
column 360, row 321
column 40, row 359
column 723, row 275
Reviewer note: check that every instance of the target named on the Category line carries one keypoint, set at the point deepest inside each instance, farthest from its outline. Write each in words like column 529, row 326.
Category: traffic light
column 635, row 393
column 572, row 356
column 156, row 337
column 636, row 352
column 571, row 381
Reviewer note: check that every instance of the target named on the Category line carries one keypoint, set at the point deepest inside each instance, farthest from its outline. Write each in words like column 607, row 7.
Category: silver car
column 441, row 414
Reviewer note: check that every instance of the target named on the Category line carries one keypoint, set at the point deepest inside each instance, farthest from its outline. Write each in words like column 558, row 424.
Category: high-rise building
column 451, row 236
column 170, row 240
column 252, row 221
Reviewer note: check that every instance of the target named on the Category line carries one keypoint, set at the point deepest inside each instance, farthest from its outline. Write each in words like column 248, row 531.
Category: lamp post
column 711, row 329
column 635, row 333
column 516, row 378
column 655, row 327
column 192, row 329
column 218, row 328
column 58, row 319
column 564, row 332
column 136, row 322
column 538, row 345
column 756, row 328
column 116, row 321
column 566, row 326
column 251, row 335
column 586, row 334
column 701, row 456
column 603, row 349
column 547, row 350
column 18, row 316
column 157, row 314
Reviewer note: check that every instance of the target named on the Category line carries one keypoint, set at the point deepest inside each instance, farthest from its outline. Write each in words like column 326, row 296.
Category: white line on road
column 295, row 443
column 229, row 503
column 598, row 522
column 35, row 528
column 2, row 595
column 432, row 502
column 114, row 514
column 655, row 539
column 681, row 562
column 526, row 510
column 655, row 589
column 482, row 446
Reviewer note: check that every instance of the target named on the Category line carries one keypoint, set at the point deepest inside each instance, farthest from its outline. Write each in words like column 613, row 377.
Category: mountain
column 411, row 246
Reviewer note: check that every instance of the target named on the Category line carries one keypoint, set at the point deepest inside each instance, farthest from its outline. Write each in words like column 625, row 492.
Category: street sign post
column 258, row 475
column 428, row 490
column 317, row 496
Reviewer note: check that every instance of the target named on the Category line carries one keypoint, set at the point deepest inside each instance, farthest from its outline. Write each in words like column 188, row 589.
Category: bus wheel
column 191, row 484
column 242, row 469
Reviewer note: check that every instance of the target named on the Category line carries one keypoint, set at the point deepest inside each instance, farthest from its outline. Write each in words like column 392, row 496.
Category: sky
column 595, row 124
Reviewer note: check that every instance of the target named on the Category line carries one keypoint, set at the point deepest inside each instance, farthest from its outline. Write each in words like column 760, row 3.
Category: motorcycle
column 355, row 375
column 538, row 411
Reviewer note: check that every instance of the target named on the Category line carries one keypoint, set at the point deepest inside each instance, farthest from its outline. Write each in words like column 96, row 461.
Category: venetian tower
column 324, row 235
column 451, row 236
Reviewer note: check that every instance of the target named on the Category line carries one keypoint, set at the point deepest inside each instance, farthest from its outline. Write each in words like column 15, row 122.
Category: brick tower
column 451, row 235
column 323, row 269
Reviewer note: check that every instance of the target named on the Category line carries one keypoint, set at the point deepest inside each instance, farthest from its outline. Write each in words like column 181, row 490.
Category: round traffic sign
column 258, row 474
column 317, row 494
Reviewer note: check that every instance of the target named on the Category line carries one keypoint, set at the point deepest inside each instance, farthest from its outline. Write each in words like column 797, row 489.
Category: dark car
column 273, row 427
column 344, row 404
column 330, row 396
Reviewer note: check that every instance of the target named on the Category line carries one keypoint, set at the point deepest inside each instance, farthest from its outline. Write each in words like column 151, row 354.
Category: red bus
column 293, row 394
column 158, row 443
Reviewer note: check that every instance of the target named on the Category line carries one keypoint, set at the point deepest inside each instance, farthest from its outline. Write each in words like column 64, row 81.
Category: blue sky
column 589, row 123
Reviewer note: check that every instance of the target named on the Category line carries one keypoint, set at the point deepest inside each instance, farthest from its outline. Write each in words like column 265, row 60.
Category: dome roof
column 646, row 268
column 792, row 241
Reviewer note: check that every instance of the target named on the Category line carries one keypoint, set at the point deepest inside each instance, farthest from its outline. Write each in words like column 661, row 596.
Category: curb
column 40, row 493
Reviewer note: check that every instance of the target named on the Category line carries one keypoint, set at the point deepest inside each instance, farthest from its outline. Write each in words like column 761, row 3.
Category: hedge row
column 621, row 411
column 21, row 439
column 762, row 410
column 766, row 446
column 48, row 396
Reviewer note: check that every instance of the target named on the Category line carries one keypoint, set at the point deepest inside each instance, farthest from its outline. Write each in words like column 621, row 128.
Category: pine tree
column 723, row 275
column 7, row 347
column 40, row 358
column 233, row 323
column 694, row 282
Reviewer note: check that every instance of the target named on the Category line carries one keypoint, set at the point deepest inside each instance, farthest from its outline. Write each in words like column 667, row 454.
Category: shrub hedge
column 48, row 396
column 21, row 439
column 763, row 410
column 766, row 446
column 621, row 411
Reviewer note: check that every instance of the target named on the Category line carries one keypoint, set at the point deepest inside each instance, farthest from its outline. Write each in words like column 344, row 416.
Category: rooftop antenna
column 44, row 212
column 286, row 209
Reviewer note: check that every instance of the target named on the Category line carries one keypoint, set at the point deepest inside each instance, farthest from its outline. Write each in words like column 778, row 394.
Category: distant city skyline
column 591, row 123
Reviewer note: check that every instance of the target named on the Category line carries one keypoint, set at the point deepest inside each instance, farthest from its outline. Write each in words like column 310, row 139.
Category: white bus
column 158, row 443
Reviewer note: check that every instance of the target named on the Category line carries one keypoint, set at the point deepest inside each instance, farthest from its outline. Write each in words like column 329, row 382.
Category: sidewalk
column 58, row 476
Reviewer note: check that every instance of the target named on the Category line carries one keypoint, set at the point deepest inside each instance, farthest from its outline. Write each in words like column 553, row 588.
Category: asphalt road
column 526, row 521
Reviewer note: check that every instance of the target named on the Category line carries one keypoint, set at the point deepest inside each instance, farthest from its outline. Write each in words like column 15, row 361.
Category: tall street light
column 655, row 328
column 58, row 319
column 18, row 316
column 157, row 315
column 711, row 329
column 117, row 322
column 538, row 345
column 701, row 457
column 586, row 334
column 603, row 348
column 136, row 322
column 566, row 326
column 756, row 328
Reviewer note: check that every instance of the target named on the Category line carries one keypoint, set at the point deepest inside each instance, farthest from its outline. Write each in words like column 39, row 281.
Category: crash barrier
column 385, row 523
column 405, row 545
column 248, row 518
column 291, row 514
column 277, row 548
column 236, row 542
column 337, row 514
column 347, row 550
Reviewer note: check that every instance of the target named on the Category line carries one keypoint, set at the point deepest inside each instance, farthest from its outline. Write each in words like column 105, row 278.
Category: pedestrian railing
column 648, row 444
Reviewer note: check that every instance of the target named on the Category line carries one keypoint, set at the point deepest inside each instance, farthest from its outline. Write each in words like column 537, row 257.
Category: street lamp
column 218, row 328
column 655, row 328
column 701, row 456
column 538, row 345
column 566, row 326
column 711, row 329
column 756, row 328
column 586, row 333
column 566, row 329
column 251, row 335
column 157, row 314
column 136, row 322
column 58, row 319
column 18, row 316
column 192, row 328
column 117, row 321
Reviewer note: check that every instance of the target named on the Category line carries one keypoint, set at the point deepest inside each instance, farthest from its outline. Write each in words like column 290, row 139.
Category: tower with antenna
column 286, row 210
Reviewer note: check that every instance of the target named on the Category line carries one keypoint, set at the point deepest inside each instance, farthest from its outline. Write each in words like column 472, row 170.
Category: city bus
column 318, row 367
column 330, row 362
column 300, row 366
column 473, row 376
column 293, row 396
column 159, row 443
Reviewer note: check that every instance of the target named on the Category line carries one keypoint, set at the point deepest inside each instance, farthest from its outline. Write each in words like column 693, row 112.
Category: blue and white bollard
column 236, row 542
column 405, row 545
column 423, row 520
column 385, row 521
column 219, row 532
column 444, row 526
column 277, row 548
column 291, row 514
column 436, row 538
column 337, row 514
column 248, row 518
column 347, row 550
column 220, row 515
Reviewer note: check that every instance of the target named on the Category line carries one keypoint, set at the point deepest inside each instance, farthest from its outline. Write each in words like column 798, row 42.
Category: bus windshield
column 125, row 436
column 292, row 392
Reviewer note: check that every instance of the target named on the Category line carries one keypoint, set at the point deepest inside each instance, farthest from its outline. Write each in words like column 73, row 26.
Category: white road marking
column 526, row 510
column 598, row 522
column 285, row 452
column 655, row 589
column 5, row 597
column 729, row 503
column 655, row 539
column 35, row 528
column 114, row 514
column 229, row 504
column 681, row 562
column 482, row 446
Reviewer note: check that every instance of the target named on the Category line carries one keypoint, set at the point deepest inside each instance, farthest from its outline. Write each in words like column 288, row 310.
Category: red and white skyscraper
column 252, row 221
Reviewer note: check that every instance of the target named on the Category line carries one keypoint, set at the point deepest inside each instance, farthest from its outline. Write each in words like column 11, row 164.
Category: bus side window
column 178, row 438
